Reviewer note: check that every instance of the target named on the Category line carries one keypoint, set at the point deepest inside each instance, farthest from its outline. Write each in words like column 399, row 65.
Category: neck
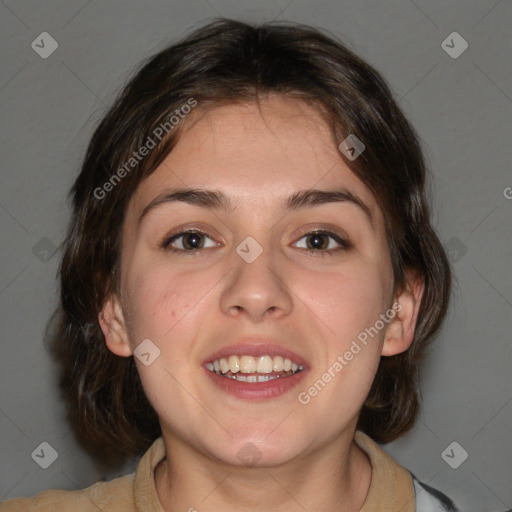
column 334, row 477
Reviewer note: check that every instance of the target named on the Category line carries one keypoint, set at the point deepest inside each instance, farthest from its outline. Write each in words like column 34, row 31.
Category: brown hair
column 231, row 61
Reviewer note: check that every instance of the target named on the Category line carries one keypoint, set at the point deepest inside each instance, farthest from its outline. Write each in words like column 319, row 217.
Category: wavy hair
column 229, row 61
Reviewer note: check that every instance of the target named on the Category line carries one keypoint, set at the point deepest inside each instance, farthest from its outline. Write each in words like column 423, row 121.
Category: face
column 301, row 282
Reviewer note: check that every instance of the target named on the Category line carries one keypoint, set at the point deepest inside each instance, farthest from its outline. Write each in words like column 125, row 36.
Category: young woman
column 250, row 279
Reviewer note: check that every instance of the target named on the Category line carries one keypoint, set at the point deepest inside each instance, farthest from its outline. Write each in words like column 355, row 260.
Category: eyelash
column 345, row 245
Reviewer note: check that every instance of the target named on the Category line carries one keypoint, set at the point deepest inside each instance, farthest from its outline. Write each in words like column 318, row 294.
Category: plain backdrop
column 462, row 109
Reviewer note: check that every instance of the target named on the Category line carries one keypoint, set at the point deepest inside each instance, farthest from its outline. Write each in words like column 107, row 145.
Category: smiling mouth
column 253, row 369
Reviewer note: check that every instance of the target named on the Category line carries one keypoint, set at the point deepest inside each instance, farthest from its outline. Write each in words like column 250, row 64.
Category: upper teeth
column 249, row 364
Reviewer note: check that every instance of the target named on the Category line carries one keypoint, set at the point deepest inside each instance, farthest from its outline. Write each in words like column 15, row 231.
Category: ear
column 400, row 331
column 112, row 324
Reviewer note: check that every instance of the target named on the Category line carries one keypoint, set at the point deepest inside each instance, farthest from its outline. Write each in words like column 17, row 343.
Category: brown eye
column 188, row 241
column 318, row 241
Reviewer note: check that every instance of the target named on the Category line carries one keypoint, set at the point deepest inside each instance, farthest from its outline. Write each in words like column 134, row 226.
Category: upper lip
column 252, row 347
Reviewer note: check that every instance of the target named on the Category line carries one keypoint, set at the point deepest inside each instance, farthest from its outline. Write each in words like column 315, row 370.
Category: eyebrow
column 214, row 199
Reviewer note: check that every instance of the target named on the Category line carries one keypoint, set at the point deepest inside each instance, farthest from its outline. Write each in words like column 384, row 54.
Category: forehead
column 256, row 153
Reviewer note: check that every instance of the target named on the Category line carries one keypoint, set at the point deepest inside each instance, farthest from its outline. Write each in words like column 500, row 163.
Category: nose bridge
column 256, row 284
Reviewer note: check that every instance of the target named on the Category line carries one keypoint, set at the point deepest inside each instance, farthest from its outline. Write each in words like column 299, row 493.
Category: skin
column 190, row 305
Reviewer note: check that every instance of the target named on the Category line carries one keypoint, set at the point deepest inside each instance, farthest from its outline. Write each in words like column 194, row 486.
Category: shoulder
column 116, row 495
column 429, row 499
column 387, row 473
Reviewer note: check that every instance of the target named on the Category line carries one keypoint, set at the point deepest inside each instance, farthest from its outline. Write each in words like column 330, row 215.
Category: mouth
column 256, row 372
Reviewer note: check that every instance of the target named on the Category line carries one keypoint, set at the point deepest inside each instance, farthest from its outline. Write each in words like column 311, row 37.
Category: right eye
column 191, row 241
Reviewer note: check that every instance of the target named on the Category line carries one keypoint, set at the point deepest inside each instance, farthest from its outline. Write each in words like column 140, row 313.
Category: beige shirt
column 391, row 488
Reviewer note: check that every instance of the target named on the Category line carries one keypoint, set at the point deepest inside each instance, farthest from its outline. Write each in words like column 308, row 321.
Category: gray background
column 462, row 110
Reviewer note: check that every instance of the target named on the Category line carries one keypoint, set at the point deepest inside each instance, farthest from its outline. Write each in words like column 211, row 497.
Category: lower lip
column 256, row 390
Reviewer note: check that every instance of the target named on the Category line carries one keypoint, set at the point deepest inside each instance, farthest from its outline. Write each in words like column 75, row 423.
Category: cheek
column 164, row 312
column 159, row 300
column 349, row 300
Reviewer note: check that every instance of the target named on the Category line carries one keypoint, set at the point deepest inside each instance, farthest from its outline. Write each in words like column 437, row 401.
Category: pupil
column 315, row 239
column 195, row 237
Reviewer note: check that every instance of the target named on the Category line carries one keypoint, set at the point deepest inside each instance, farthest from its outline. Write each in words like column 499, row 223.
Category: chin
column 250, row 452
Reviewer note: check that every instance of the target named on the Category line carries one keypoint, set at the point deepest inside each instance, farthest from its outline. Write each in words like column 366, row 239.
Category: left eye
column 317, row 241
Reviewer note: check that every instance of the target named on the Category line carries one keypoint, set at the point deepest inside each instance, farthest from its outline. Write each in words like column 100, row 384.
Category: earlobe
column 112, row 324
column 400, row 331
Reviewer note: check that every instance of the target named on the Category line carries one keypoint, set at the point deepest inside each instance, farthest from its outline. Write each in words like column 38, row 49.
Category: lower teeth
column 256, row 377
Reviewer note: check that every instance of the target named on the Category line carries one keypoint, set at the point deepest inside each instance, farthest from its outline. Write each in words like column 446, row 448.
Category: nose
column 257, row 289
